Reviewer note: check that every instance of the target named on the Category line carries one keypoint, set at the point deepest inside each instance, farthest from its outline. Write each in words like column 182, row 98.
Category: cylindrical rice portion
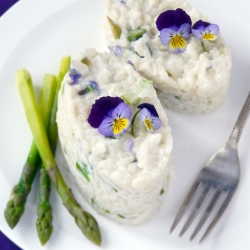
column 191, row 82
column 127, row 187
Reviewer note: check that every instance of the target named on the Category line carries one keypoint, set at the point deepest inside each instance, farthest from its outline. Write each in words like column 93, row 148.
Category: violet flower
column 149, row 117
column 175, row 29
column 205, row 31
column 111, row 116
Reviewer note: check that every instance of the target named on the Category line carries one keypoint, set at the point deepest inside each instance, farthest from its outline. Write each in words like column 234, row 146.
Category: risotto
column 124, row 175
column 194, row 81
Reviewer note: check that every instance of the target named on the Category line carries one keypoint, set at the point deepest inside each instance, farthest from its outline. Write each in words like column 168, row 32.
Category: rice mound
column 191, row 82
column 126, row 187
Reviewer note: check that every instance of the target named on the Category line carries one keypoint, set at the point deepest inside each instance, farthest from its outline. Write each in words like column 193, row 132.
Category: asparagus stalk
column 52, row 133
column 44, row 225
column 44, row 210
column 84, row 220
column 16, row 205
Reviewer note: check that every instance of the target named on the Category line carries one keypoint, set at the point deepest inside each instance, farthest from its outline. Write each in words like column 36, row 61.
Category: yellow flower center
column 177, row 41
column 148, row 125
column 119, row 125
column 208, row 36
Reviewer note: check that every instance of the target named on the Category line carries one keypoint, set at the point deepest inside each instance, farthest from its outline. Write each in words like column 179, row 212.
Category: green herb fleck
column 162, row 192
column 121, row 216
column 64, row 150
column 92, row 200
column 115, row 189
column 83, row 170
column 106, row 211
column 115, row 28
column 177, row 97
column 86, row 61
column 134, row 35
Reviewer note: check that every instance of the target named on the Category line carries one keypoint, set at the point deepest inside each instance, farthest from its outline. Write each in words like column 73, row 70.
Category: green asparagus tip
column 43, row 223
column 13, row 213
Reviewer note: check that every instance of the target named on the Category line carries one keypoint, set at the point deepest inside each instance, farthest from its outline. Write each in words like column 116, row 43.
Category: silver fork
column 222, row 174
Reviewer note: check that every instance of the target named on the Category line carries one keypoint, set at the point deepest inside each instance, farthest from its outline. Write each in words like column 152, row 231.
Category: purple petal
column 129, row 146
column 93, row 85
column 144, row 114
column 118, row 51
column 166, row 35
column 106, row 127
column 198, row 33
column 130, row 62
column 172, row 18
column 149, row 107
column 185, row 30
column 212, row 29
column 74, row 76
column 101, row 108
column 122, row 111
column 206, row 24
column 199, row 25
column 156, row 122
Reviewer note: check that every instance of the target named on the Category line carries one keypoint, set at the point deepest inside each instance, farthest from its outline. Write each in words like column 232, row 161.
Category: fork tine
column 197, row 208
column 190, row 196
column 206, row 214
column 218, row 215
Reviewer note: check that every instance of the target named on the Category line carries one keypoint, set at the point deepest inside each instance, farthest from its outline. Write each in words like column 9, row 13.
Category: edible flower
column 175, row 29
column 110, row 115
column 205, row 31
column 92, row 86
column 74, row 76
column 149, row 117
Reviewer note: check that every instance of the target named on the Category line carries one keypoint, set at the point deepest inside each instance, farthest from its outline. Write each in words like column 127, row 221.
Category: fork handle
column 241, row 121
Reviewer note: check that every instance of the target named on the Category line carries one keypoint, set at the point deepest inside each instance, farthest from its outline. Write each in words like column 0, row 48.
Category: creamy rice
column 193, row 81
column 126, row 187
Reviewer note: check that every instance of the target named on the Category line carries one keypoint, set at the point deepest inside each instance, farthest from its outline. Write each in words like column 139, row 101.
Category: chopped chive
column 162, row 192
column 121, row 216
column 134, row 35
column 84, row 171
column 86, row 61
column 115, row 189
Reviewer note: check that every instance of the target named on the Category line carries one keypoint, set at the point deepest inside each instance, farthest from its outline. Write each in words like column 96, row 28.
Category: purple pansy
column 175, row 29
column 74, row 76
column 92, row 86
column 149, row 117
column 205, row 31
column 110, row 115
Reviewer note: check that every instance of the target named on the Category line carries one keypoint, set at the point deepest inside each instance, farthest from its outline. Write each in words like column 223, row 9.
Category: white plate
column 36, row 35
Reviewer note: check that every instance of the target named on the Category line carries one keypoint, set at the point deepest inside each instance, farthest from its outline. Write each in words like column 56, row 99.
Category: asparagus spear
column 44, row 209
column 84, row 220
column 16, row 205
